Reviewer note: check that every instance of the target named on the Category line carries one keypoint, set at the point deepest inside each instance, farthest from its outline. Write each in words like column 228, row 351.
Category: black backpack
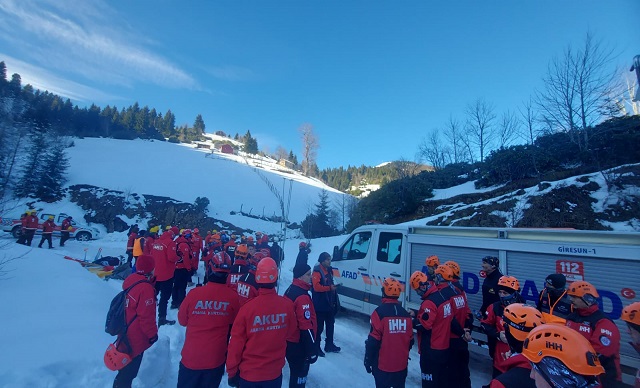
column 116, row 323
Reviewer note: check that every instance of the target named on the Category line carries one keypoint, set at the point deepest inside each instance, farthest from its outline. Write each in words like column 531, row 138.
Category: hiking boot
column 320, row 353
column 331, row 348
column 164, row 321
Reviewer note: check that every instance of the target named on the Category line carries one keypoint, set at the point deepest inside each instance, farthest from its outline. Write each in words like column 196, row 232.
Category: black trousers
column 390, row 379
column 458, row 366
column 433, row 365
column 298, row 367
column 125, row 376
column 204, row 378
column 46, row 237
column 180, row 279
column 26, row 237
column 275, row 383
column 329, row 319
column 63, row 238
column 164, row 289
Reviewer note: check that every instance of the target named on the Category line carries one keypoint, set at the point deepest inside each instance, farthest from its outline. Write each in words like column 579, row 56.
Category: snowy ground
column 53, row 327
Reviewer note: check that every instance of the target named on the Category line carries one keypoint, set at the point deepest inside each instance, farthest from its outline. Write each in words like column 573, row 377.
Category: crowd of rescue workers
column 237, row 321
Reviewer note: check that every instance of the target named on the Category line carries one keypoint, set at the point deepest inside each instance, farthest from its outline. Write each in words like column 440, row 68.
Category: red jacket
column 196, row 249
column 298, row 292
column 434, row 317
column 247, row 288
column 259, row 337
column 148, row 245
column 132, row 238
column 462, row 312
column 141, row 305
column 163, row 251
column 66, row 224
column 183, row 249
column 48, row 226
column 518, row 369
column 31, row 222
column 604, row 336
column 208, row 313
column 390, row 336
column 494, row 324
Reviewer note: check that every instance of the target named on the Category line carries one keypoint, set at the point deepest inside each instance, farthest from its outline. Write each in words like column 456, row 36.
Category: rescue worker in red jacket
column 140, row 313
column 560, row 357
column 47, row 231
column 458, row 372
column 588, row 320
column 240, row 267
column 631, row 315
column 247, row 286
column 165, row 256
column 433, row 323
column 302, row 352
column 23, row 227
column 182, row 274
column 390, row 339
column 196, row 245
column 519, row 320
column 231, row 246
column 208, row 313
column 431, row 263
column 493, row 325
column 260, row 333
column 31, row 225
column 65, row 229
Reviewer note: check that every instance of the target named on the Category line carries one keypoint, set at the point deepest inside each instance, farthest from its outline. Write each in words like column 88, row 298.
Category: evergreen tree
column 53, row 179
column 318, row 224
column 250, row 144
column 198, row 125
column 32, row 169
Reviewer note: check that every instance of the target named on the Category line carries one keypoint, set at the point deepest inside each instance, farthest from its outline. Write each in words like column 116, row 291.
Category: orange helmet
column 216, row 237
column 432, row 261
column 417, row 279
column 219, row 263
column 445, row 272
column 391, row 287
column 267, row 271
column 521, row 319
column 509, row 282
column 631, row 313
column 115, row 359
column 571, row 349
column 454, row 267
column 581, row 288
column 242, row 251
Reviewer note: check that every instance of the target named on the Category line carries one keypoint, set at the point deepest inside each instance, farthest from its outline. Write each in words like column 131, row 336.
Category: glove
column 234, row 381
column 367, row 364
column 153, row 339
column 312, row 359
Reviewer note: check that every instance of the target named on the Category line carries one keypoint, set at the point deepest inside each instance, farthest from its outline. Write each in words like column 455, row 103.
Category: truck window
column 356, row 247
column 389, row 246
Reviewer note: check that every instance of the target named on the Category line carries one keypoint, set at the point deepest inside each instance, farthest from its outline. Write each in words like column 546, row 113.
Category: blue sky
column 372, row 77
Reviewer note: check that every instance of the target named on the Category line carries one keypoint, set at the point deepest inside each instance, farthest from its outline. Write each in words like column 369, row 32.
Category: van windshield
column 356, row 247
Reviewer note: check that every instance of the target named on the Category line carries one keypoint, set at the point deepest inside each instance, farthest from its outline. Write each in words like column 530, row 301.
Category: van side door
column 386, row 263
column 350, row 263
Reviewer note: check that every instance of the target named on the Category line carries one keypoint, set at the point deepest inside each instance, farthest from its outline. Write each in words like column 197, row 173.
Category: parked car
column 78, row 231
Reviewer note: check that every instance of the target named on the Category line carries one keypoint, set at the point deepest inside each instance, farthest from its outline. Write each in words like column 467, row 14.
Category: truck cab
column 371, row 254
column 78, row 231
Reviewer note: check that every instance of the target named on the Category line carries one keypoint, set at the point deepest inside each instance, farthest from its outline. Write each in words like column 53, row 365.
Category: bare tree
column 508, row 129
column 310, row 147
column 453, row 134
column 480, row 126
column 281, row 153
column 433, row 151
column 577, row 90
column 405, row 168
column 529, row 131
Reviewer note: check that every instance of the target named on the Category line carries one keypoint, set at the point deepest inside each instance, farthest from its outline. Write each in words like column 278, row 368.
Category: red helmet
column 219, row 263
column 266, row 252
column 302, row 244
column 196, row 231
column 267, row 271
column 115, row 359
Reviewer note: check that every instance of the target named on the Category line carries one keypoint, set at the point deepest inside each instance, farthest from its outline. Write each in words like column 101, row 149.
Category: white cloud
column 89, row 39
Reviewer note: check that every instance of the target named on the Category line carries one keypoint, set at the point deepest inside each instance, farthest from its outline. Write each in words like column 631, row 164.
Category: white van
column 608, row 260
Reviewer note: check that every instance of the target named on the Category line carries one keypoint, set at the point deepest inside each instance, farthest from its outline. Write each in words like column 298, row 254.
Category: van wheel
column 83, row 236
column 16, row 231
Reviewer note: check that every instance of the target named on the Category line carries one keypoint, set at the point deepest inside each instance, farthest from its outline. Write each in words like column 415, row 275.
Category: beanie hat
column 323, row 256
column 300, row 269
column 491, row 260
column 175, row 230
column 556, row 280
column 145, row 264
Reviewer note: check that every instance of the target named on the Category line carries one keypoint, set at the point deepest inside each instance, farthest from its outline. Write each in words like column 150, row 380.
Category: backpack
column 116, row 323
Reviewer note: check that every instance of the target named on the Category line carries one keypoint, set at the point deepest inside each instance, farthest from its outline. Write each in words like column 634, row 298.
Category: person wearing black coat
column 303, row 254
column 490, row 295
